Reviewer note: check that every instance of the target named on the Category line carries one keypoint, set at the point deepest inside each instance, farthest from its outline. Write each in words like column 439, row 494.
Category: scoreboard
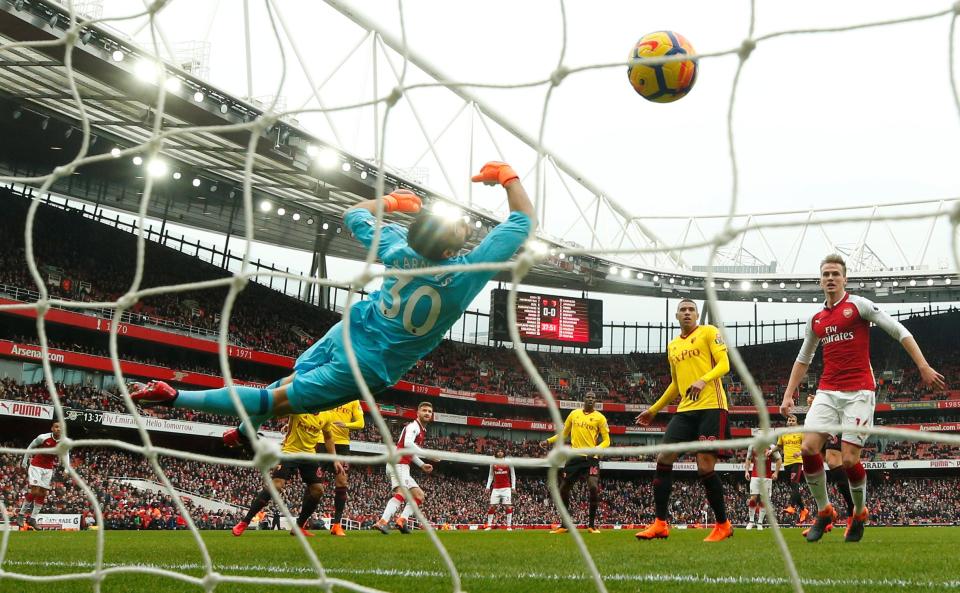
column 549, row 319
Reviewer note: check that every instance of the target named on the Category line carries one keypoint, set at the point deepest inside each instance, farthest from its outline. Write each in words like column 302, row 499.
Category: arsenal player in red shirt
column 39, row 473
column 846, row 395
column 501, row 484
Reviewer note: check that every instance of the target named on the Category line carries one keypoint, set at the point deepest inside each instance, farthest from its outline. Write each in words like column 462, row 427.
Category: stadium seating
column 97, row 261
column 455, row 496
column 84, row 397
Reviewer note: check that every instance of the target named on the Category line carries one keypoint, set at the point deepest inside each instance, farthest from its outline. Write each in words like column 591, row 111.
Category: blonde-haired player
column 343, row 419
column 586, row 428
column 305, row 432
column 846, row 393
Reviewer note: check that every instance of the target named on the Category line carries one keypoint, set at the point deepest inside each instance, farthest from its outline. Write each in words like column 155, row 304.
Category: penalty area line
column 540, row 576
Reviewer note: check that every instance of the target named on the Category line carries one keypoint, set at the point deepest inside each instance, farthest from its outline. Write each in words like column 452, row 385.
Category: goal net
column 595, row 218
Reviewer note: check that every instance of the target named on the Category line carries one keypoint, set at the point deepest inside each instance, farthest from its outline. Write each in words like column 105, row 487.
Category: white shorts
column 846, row 408
column 402, row 476
column 39, row 476
column 501, row 496
column 756, row 483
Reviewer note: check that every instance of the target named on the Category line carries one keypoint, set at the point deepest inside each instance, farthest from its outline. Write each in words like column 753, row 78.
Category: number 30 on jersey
column 408, row 306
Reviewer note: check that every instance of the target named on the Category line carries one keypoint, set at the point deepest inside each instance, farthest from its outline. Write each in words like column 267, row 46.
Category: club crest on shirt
column 848, row 312
column 718, row 340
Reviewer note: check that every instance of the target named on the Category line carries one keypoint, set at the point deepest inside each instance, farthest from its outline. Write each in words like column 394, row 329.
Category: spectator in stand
column 458, row 496
column 91, row 256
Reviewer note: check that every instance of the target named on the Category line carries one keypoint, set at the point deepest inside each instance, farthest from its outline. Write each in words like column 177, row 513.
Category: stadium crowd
column 185, row 364
column 85, row 397
column 123, row 506
column 89, row 261
column 468, row 439
column 455, row 495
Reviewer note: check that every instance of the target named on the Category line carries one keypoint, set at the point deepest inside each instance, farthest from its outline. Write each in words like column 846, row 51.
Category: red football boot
column 154, row 393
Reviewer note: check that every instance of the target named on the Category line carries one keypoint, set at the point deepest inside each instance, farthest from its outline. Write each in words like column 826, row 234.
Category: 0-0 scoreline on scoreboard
column 549, row 319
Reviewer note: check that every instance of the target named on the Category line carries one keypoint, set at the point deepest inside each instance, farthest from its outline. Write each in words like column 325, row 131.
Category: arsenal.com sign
column 24, row 351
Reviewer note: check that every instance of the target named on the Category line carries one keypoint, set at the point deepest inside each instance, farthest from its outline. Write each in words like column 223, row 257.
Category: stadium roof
column 207, row 150
column 39, row 111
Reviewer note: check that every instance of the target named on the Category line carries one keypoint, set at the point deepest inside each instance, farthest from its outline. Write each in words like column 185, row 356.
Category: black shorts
column 699, row 425
column 792, row 472
column 581, row 466
column 310, row 471
column 342, row 449
column 832, row 444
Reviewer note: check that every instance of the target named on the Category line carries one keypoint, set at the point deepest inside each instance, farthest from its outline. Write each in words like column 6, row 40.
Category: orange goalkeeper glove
column 496, row 172
column 402, row 200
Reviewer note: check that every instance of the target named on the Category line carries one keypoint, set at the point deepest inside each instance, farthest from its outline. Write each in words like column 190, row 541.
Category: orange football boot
column 659, row 529
column 720, row 532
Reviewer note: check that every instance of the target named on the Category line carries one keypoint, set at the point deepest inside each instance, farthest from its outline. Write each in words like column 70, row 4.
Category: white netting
column 266, row 453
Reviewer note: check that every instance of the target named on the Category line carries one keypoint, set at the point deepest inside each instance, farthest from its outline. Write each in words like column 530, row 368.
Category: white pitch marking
column 542, row 576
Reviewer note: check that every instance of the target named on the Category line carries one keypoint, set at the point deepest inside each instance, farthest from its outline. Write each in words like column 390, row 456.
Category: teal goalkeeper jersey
column 408, row 317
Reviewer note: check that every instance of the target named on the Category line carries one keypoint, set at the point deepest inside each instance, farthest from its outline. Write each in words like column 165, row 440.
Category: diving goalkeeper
column 398, row 325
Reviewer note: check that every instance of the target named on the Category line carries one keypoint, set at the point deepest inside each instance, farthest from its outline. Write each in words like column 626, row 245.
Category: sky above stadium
column 821, row 120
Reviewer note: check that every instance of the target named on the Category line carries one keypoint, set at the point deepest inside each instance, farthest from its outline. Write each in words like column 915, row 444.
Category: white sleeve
column 410, row 442
column 490, row 478
column 872, row 313
column 810, row 343
column 513, row 478
column 33, row 445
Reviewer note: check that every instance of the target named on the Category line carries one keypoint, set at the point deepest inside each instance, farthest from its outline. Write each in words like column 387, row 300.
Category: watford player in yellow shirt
column 305, row 433
column 586, row 428
column 789, row 445
column 698, row 359
column 342, row 420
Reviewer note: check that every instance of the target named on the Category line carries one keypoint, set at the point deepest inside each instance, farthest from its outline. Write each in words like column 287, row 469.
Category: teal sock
column 256, row 421
column 256, row 401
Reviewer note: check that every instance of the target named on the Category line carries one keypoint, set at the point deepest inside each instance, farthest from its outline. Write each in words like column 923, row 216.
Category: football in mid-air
column 666, row 82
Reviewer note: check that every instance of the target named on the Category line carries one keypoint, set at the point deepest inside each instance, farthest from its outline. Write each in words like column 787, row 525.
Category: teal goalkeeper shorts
column 323, row 378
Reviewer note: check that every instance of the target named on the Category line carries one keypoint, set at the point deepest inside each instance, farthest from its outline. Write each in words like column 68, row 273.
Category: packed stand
column 85, row 397
column 123, row 507
column 455, row 495
column 93, row 262
column 89, row 261
column 185, row 364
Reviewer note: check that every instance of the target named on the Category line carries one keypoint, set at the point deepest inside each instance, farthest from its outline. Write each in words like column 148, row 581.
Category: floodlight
column 328, row 158
column 157, row 168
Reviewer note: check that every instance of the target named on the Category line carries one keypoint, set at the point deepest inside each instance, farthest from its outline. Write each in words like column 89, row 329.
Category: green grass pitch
column 889, row 559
